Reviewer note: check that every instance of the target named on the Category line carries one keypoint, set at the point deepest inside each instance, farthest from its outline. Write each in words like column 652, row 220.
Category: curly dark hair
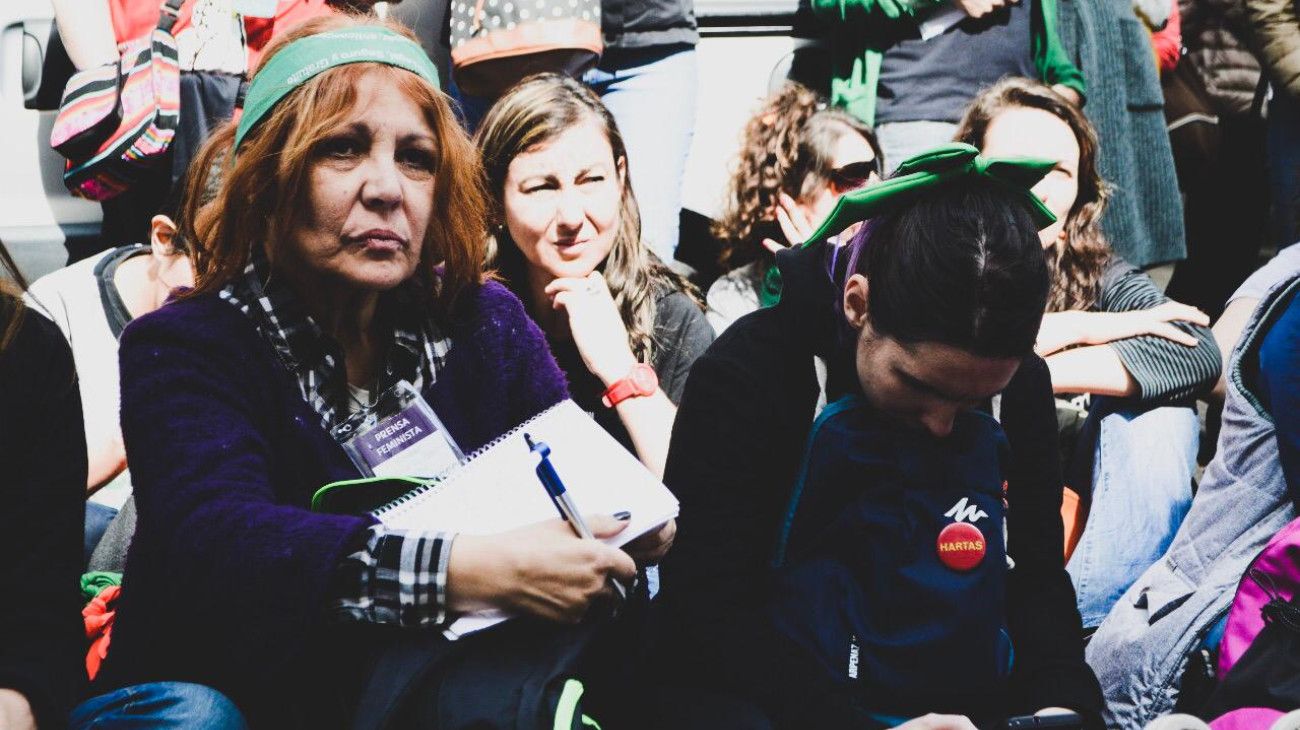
column 1077, row 264
column 787, row 147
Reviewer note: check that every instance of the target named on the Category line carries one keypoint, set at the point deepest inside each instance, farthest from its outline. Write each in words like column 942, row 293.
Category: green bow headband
column 913, row 179
column 931, row 169
column 305, row 58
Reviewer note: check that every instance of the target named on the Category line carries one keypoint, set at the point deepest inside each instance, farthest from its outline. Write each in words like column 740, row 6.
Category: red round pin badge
column 961, row 546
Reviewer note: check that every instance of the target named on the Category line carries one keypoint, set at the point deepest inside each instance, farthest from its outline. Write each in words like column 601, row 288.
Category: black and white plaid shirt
column 399, row 576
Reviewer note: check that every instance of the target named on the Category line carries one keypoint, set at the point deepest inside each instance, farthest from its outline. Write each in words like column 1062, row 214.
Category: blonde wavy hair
column 260, row 194
column 533, row 112
column 1077, row 264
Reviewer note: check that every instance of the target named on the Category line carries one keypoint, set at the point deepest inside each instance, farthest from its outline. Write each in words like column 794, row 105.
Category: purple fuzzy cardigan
column 229, row 573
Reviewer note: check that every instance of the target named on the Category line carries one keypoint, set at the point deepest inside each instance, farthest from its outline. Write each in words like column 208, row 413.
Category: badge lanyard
column 399, row 435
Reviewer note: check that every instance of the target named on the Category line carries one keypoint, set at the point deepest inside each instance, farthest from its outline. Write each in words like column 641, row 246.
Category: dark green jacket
column 857, row 43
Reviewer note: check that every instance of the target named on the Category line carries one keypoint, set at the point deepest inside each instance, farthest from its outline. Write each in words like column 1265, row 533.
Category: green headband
column 307, row 57
column 931, row 169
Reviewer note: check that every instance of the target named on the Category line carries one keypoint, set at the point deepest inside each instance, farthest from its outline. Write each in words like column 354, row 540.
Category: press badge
column 398, row 436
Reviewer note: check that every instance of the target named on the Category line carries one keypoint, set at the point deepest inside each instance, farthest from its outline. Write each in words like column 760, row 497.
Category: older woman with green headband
column 338, row 282
column 883, row 554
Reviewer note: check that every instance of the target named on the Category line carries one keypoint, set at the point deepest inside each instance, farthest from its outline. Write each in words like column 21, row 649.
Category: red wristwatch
column 640, row 382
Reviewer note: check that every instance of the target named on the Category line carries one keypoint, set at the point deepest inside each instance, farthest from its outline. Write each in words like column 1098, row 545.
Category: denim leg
column 901, row 140
column 651, row 93
column 159, row 706
column 98, row 517
column 1284, row 166
column 1141, row 490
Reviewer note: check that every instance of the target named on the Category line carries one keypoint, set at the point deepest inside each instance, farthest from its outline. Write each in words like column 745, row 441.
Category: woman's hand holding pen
column 543, row 569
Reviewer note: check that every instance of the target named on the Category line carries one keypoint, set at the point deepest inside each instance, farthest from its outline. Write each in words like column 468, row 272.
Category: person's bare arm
column 15, row 711
column 1227, row 331
column 106, row 462
column 86, row 27
column 1096, row 369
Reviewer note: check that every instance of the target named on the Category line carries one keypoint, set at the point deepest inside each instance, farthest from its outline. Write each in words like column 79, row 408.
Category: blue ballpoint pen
column 561, row 499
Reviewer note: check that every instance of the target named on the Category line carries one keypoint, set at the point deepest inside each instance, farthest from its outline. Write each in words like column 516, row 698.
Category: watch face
column 643, row 376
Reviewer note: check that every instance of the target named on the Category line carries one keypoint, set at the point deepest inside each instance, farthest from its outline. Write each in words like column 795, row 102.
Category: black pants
column 1226, row 216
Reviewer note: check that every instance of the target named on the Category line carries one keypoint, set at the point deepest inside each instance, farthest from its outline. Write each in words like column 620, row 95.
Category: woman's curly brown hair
column 787, row 146
column 1076, row 264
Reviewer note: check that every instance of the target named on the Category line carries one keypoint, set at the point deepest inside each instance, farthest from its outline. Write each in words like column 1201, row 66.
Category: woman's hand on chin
column 596, row 325
column 543, row 569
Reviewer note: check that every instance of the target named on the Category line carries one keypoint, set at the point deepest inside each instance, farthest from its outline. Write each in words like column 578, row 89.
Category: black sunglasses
column 854, row 175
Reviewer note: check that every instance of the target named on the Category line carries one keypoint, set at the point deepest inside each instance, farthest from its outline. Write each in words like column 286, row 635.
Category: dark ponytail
column 961, row 266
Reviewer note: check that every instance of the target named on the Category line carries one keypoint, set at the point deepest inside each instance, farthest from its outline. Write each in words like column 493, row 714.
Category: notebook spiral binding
column 440, row 482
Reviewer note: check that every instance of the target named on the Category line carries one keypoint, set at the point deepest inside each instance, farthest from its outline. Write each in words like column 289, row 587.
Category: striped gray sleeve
column 1165, row 371
column 399, row 578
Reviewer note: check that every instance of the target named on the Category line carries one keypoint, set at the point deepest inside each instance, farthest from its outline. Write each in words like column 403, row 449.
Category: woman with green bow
column 895, row 552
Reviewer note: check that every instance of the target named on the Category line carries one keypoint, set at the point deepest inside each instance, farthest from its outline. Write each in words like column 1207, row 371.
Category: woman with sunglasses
column 796, row 159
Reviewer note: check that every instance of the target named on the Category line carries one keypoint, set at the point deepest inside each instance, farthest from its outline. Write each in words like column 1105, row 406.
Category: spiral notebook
column 497, row 489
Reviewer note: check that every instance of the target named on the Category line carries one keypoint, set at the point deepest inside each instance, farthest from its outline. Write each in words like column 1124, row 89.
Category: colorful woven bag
column 118, row 119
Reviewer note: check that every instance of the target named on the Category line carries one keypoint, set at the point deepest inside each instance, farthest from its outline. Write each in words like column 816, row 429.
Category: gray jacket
column 1140, row 651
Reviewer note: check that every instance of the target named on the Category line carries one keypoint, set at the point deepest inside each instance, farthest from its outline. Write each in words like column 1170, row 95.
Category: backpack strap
column 396, row 672
column 787, row 522
column 169, row 13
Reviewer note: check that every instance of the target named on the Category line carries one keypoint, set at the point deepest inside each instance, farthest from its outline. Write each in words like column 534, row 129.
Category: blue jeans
column 159, row 706
column 98, row 517
column 651, row 92
column 1284, row 166
column 1143, row 467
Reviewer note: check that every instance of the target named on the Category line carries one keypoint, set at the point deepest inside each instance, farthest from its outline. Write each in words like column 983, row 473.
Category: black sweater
column 42, row 510
column 737, row 444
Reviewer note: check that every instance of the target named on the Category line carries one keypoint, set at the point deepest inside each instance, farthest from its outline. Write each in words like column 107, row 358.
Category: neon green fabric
column 93, row 583
column 306, row 58
column 567, row 707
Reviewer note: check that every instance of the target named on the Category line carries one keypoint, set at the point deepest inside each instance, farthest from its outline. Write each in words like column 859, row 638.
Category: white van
column 744, row 53
column 38, row 216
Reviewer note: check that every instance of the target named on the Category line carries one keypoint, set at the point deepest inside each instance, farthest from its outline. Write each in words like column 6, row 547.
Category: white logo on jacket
column 964, row 511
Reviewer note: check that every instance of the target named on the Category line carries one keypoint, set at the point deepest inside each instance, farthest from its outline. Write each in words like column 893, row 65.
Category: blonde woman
column 567, row 239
